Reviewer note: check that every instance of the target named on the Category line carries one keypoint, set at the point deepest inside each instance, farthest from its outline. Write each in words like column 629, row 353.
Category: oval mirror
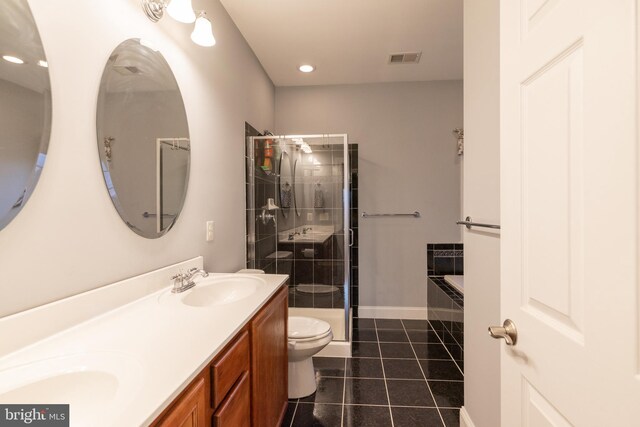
column 298, row 185
column 143, row 138
column 285, row 187
column 25, row 107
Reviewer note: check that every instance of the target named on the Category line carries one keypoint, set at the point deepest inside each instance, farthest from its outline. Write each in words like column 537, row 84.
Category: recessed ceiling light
column 43, row 64
column 12, row 59
column 306, row 68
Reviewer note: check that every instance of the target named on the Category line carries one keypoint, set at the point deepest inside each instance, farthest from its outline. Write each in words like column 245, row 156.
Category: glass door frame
column 346, row 211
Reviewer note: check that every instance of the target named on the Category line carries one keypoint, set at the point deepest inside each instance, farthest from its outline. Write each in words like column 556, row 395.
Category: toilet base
column 302, row 379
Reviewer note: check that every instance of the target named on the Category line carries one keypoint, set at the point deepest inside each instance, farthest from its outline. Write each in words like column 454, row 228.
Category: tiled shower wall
column 353, row 192
column 261, row 238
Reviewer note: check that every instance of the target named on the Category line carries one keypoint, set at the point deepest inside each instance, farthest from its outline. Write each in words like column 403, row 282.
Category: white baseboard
column 336, row 349
column 465, row 419
column 382, row 312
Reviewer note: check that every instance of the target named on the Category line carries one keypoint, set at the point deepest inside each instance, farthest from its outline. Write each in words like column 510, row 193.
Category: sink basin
column 89, row 382
column 302, row 234
column 218, row 290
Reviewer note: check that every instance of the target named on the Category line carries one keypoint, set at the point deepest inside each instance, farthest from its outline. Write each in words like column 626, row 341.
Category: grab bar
column 415, row 214
column 468, row 222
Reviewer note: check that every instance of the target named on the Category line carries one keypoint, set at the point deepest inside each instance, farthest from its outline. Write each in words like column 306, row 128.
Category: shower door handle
column 351, row 237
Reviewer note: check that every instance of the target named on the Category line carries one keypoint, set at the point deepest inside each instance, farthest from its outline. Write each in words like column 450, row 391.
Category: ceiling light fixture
column 42, row 63
column 306, row 68
column 181, row 11
column 202, row 32
column 12, row 59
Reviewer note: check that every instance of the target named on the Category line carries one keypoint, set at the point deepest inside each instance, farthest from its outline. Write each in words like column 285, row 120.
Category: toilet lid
column 307, row 327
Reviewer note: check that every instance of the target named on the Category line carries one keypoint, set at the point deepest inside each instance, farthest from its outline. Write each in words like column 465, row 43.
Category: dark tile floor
column 401, row 374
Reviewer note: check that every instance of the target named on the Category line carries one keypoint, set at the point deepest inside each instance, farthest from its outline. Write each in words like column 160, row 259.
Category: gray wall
column 407, row 162
column 69, row 238
column 482, row 203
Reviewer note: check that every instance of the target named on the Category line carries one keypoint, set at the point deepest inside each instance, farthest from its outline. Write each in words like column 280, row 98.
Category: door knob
column 507, row 331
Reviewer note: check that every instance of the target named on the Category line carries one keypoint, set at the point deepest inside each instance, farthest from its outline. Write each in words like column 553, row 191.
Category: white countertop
column 312, row 234
column 159, row 349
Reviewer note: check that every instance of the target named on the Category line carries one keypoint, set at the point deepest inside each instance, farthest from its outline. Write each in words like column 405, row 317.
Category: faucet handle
column 180, row 275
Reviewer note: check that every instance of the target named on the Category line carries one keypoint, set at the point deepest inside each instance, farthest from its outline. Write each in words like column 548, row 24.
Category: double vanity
column 135, row 353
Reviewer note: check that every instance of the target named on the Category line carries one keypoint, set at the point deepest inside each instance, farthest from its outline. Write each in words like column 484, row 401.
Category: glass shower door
column 308, row 236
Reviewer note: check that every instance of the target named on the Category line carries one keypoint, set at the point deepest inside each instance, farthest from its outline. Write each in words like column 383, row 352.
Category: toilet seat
column 303, row 340
column 303, row 329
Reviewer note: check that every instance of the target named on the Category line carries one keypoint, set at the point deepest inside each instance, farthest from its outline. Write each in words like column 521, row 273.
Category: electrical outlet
column 309, row 216
column 210, row 231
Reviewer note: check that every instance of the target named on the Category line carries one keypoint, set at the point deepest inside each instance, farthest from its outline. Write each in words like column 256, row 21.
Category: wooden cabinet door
column 269, row 364
column 190, row 410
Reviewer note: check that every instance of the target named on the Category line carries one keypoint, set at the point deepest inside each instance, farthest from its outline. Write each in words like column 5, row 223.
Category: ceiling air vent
column 405, row 58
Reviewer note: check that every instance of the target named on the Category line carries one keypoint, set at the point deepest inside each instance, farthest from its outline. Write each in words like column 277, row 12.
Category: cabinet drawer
column 235, row 411
column 228, row 368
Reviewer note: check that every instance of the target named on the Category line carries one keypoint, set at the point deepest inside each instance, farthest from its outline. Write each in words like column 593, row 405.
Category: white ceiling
column 349, row 41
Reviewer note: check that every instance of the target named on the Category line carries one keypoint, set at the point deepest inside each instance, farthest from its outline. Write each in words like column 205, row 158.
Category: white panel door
column 569, row 212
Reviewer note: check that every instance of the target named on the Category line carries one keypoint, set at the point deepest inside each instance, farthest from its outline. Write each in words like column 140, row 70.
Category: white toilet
column 307, row 336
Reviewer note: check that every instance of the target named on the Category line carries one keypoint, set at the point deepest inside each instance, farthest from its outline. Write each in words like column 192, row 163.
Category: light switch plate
column 309, row 216
column 210, row 231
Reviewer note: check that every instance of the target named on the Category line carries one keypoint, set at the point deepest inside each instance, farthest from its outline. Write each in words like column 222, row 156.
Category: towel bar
column 415, row 214
column 469, row 223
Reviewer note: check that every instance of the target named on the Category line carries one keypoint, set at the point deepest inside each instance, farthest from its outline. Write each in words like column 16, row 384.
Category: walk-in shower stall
column 298, row 223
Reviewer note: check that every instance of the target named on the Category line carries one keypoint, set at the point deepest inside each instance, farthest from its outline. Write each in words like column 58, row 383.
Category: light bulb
column 182, row 11
column 13, row 59
column 43, row 63
column 306, row 68
column 202, row 33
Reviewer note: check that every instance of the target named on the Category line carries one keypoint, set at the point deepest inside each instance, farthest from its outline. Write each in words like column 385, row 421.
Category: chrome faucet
column 184, row 281
column 292, row 235
column 305, row 229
